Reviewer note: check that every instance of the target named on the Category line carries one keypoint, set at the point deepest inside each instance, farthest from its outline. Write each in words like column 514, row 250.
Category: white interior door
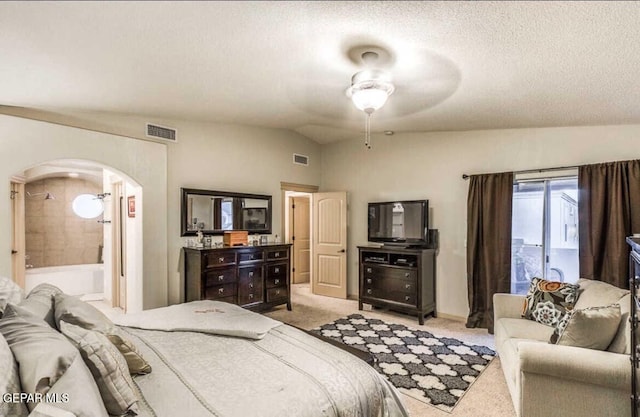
column 119, row 282
column 300, row 231
column 330, row 244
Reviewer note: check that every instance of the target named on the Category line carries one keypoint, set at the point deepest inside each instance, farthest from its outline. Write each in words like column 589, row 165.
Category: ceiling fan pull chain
column 367, row 131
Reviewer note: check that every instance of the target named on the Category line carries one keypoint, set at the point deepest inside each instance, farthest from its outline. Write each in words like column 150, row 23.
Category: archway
column 95, row 257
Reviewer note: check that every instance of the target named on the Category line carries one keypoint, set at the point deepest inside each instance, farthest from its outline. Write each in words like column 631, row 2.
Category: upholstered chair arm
column 507, row 305
column 582, row 365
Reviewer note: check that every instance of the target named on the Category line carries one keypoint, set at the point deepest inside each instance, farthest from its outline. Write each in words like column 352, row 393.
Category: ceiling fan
column 401, row 82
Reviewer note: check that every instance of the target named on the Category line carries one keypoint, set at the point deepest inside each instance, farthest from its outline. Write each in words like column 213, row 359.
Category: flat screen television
column 399, row 223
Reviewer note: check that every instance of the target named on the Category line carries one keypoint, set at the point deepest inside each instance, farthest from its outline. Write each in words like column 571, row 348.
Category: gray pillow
column 43, row 355
column 78, row 386
column 10, row 292
column 591, row 328
column 9, row 382
column 75, row 311
column 108, row 367
column 39, row 302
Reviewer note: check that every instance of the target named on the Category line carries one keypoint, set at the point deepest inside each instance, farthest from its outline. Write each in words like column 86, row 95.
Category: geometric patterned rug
column 434, row 370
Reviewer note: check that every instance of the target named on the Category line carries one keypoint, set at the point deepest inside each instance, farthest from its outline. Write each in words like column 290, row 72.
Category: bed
column 205, row 358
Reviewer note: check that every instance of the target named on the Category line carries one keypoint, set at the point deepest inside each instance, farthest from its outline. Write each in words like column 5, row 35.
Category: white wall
column 430, row 165
column 25, row 143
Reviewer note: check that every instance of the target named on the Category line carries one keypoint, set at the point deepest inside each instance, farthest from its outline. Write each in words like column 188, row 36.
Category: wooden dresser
column 398, row 278
column 255, row 277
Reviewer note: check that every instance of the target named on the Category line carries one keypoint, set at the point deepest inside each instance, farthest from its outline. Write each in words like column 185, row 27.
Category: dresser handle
column 277, row 254
column 220, row 277
column 251, row 285
column 407, row 286
column 277, row 292
column 276, row 270
column 407, row 298
column 406, row 274
column 368, row 290
column 276, row 281
column 251, row 273
column 368, row 280
column 221, row 291
column 251, row 256
column 221, row 260
column 368, row 270
column 250, row 296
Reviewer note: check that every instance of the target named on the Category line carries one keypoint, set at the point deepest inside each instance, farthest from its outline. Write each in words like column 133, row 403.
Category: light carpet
column 431, row 369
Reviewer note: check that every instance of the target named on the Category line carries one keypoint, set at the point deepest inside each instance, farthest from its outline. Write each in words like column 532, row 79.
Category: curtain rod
column 528, row 171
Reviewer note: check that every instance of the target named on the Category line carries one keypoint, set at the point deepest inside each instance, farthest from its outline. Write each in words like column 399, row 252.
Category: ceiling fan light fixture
column 369, row 91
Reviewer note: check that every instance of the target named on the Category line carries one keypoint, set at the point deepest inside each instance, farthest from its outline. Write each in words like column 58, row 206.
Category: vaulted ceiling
column 456, row 65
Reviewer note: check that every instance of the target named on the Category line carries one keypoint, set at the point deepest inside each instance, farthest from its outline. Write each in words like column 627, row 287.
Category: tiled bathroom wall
column 55, row 235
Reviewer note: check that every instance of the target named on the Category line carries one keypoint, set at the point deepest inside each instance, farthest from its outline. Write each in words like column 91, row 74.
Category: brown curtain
column 488, row 244
column 608, row 211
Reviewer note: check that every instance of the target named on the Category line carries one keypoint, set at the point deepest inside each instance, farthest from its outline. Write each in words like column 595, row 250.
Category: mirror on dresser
column 214, row 212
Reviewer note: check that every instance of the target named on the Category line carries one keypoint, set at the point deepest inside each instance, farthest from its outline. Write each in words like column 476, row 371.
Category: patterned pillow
column 547, row 302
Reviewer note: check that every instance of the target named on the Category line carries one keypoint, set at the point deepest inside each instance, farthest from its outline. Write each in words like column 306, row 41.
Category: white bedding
column 286, row 372
column 205, row 316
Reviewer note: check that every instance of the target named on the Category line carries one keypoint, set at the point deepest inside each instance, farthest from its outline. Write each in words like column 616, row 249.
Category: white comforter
column 285, row 372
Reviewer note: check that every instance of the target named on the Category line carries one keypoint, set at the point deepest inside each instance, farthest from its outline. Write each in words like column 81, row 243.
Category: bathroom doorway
column 77, row 231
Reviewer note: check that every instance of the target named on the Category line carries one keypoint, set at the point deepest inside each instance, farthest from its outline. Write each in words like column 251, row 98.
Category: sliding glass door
column 544, row 231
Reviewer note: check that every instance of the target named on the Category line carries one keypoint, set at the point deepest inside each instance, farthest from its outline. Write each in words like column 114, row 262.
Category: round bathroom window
column 87, row 206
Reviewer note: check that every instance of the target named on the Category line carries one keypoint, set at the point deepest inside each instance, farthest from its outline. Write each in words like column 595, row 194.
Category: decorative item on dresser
column 634, row 285
column 254, row 277
column 399, row 278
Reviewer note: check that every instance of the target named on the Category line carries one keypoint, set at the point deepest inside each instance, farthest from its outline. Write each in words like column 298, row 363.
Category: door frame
column 18, row 230
column 287, row 188
column 290, row 231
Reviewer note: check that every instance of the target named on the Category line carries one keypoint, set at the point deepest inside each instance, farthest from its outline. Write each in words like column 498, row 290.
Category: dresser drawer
column 220, row 291
column 391, row 284
column 278, row 270
column 373, row 271
column 220, row 276
column 251, row 272
column 397, row 296
column 276, row 282
column 212, row 259
column 276, row 294
column 277, row 254
column 250, row 291
column 254, row 256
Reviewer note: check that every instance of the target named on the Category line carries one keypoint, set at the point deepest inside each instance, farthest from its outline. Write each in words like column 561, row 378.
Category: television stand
column 398, row 278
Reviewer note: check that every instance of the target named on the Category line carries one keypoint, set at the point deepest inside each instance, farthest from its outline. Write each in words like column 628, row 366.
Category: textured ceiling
column 456, row 65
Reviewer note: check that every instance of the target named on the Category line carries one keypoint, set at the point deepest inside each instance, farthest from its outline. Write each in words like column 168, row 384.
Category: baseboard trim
column 451, row 317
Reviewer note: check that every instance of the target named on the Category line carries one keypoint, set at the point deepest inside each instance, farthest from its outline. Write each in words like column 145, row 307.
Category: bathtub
column 71, row 279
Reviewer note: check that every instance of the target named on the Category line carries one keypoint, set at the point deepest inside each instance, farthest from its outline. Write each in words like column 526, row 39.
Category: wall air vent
column 300, row 159
column 161, row 132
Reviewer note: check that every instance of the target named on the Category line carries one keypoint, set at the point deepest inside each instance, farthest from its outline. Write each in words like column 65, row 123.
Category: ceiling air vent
column 300, row 159
column 161, row 132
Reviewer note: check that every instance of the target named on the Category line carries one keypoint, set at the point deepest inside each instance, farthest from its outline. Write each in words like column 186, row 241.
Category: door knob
column 341, row 251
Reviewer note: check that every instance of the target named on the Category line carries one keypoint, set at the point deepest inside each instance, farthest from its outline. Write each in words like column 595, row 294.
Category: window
column 544, row 231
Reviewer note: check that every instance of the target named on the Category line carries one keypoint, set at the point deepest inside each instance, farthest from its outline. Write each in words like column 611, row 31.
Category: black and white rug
column 434, row 370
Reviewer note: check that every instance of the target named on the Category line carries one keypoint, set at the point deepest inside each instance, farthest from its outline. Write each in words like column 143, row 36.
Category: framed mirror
column 214, row 212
